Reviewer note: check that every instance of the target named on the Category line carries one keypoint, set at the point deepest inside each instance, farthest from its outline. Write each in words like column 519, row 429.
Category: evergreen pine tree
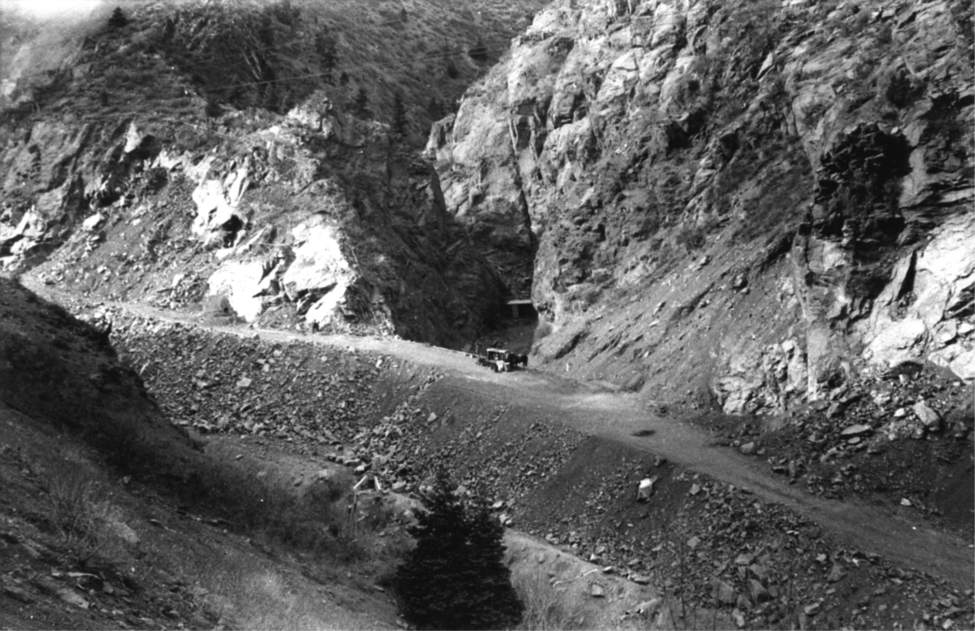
column 212, row 110
column 451, row 68
column 327, row 53
column 118, row 19
column 494, row 604
column 435, row 108
column 400, row 122
column 361, row 104
column 456, row 578
column 479, row 51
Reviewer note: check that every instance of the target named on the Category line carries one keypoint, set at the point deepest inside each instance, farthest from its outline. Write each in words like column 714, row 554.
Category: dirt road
column 619, row 417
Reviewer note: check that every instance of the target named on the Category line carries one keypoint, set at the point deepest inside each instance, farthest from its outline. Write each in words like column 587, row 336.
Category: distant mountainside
column 252, row 158
column 737, row 204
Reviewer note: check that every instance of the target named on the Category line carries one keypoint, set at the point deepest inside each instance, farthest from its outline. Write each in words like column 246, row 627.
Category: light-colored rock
column 739, row 618
column 648, row 607
column 124, row 532
column 645, row 489
column 942, row 272
column 92, row 222
column 722, row 592
column 217, row 218
column 245, row 285
column 836, row 573
column 928, row 416
column 320, row 273
column 736, row 392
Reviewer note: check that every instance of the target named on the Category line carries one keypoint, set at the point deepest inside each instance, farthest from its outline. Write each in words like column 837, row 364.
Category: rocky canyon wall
column 128, row 178
column 735, row 204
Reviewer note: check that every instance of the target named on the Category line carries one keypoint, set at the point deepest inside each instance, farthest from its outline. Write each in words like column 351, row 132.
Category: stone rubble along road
column 618, row 417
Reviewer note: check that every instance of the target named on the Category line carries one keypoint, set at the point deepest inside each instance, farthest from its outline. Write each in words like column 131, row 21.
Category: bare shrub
column 691, row 238
column 77, row 512
column 263, row 504
column 546, row 607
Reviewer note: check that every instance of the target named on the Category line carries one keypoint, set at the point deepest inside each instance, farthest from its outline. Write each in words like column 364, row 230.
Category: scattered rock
column 72, row 597
column 648, row 607
column 928, row 416
column 739, row 619
column 645, row 490
column 836, row 574
column 856, row 430
column 92, row 222
column 723, row 593
column 758, row 592
column 17, row 594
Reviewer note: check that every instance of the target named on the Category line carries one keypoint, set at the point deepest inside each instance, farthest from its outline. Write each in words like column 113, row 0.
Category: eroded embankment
column 699, row 538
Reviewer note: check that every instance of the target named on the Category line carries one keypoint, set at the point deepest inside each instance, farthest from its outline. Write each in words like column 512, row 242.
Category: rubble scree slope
column 523, row 438
column 309, row 408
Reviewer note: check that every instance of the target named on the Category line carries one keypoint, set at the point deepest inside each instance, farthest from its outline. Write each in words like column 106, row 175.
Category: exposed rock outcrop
column 737, row 204
column 275, row 203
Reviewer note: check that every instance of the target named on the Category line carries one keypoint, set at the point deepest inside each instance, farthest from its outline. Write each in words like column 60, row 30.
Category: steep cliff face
column 153, row 169
column 739, row 203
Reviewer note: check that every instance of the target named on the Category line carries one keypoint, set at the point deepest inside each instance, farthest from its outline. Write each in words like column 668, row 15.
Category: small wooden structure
column 522, row 308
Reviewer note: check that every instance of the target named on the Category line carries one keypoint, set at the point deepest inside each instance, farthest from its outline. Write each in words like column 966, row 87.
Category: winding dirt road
column 618, row 417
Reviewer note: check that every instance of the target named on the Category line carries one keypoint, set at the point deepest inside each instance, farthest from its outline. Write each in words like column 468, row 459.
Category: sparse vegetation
column 327, row 53
column 360, row 104
column 400, row 123
column 691, row 238
column 900, row 88
column 450, row 66
column 435, row 108
column 546, row 607
column 76, row 510
column 478, row 51
column 258, row 503
column 117, row 19
column 456, row 578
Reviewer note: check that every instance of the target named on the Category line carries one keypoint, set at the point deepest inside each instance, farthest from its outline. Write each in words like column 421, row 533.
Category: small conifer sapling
column 118, row 19
column 455, row 577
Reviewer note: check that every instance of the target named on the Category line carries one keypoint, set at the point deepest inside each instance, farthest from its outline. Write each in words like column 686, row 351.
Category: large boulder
column 321, row 274
column 926, row 310
column 218, row 221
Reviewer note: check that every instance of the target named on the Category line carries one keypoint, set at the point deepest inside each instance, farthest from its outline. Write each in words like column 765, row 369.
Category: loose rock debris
column 724, row 549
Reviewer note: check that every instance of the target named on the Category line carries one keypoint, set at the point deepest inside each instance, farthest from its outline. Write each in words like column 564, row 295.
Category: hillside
column 729, row 205
column 288, row 420
column 112, row 517
column 215, row 493
column 154, row 165
column 240, row 291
